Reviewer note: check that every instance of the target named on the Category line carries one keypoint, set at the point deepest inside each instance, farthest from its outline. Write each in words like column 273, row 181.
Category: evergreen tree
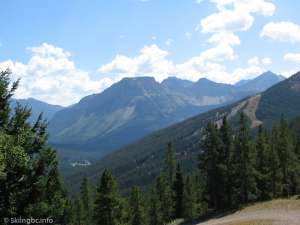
column 154, row 213
column 263, row 166
column 178, row 188
column 224, row 164
column 288, row 159
column 30, row 184
column 164, row 194
column 208, row 165
column 85, row 195
column 137, row 212
column 78, row 213
column 243, row 165
column 170, row 163
column 108, row 203
column 274, row 164
column 189, row 199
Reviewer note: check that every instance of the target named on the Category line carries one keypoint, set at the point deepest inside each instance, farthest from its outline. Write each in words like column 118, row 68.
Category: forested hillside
column 139, row 162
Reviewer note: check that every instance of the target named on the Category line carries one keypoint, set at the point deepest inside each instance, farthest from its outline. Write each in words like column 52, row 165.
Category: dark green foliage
column 170, row 163
column 178, row 189
column 108, row 203
column 86, row 201
column 210, row 169
column 164, row 193
column 30, row 184
column 154, row 213
column 137, row 211
column 244, row 186
column 263, row 165
column 190, row 208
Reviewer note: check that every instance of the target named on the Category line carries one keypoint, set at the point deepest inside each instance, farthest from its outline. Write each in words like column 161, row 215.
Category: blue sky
column 64, row 50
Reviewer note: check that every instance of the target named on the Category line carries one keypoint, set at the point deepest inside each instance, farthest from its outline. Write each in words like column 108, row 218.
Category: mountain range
column 139, row 163
column 135, row 107
column 37, row 107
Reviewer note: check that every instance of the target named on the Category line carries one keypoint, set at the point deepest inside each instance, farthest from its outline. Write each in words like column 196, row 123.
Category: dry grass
column 276, row 212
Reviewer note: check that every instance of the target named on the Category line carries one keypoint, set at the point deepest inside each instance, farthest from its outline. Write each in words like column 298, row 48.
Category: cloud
column 226, row 38
column 51, row 76
column 226, row 21
column 235, row 15
column 282, row 31
column 153, row 61
column 150, row 62
column 292, row 57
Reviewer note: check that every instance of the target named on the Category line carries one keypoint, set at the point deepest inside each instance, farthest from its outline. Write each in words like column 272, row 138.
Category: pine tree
column 189, row 199
column 154, row 213
column 164, row 194
column 85, row 195
column 30, row 184
column 170, row 163
column 225, row 163
column 107, row 204
column 288, row 160
column 243, row 165
column 274, row 164
column 208, row 165
column 178, row 188
column 263, row 169
column 137, row 212
column 78, row 213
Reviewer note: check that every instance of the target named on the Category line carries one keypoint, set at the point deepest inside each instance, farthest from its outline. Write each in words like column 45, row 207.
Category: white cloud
column 292, row 57
column 238, row 17
column 226, row 38
column 51, row 76
column 227, row 20
column 150, row 62
column 153, row 61
column 288, row 73
column 266, row 61
column 282, row 31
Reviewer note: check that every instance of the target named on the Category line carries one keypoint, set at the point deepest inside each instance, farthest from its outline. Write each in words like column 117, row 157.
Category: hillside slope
column 276, row 212
column 135, row 107
column 38, row 107
column 141, row 161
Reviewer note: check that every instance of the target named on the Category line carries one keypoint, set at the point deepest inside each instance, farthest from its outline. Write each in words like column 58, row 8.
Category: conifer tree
column 189, row 199
column 107, row 204
column 137, row 212
column 170, row 163
column 243, row 165
column 263, row 169
column 178, row 188
column 208, row 165
column 154, row 213
column 164, row 194
column 78, row 213
column 225, row 163
column 31, row 185
column 85, row 197
column 288, row 160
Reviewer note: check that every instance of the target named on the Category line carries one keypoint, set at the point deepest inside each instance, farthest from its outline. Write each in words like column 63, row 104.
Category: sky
column 64, row 50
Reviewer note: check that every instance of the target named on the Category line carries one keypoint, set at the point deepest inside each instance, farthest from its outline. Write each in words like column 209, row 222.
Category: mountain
column 140, row 162
column 133, row 108
column 260, row 83
column 122, row 113
column 38, row 107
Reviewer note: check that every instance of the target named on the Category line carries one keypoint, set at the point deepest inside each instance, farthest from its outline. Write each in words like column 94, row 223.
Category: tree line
column 236, row 166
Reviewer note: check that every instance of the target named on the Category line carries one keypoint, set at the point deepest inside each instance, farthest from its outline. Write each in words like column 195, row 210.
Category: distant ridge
column 139, row 162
